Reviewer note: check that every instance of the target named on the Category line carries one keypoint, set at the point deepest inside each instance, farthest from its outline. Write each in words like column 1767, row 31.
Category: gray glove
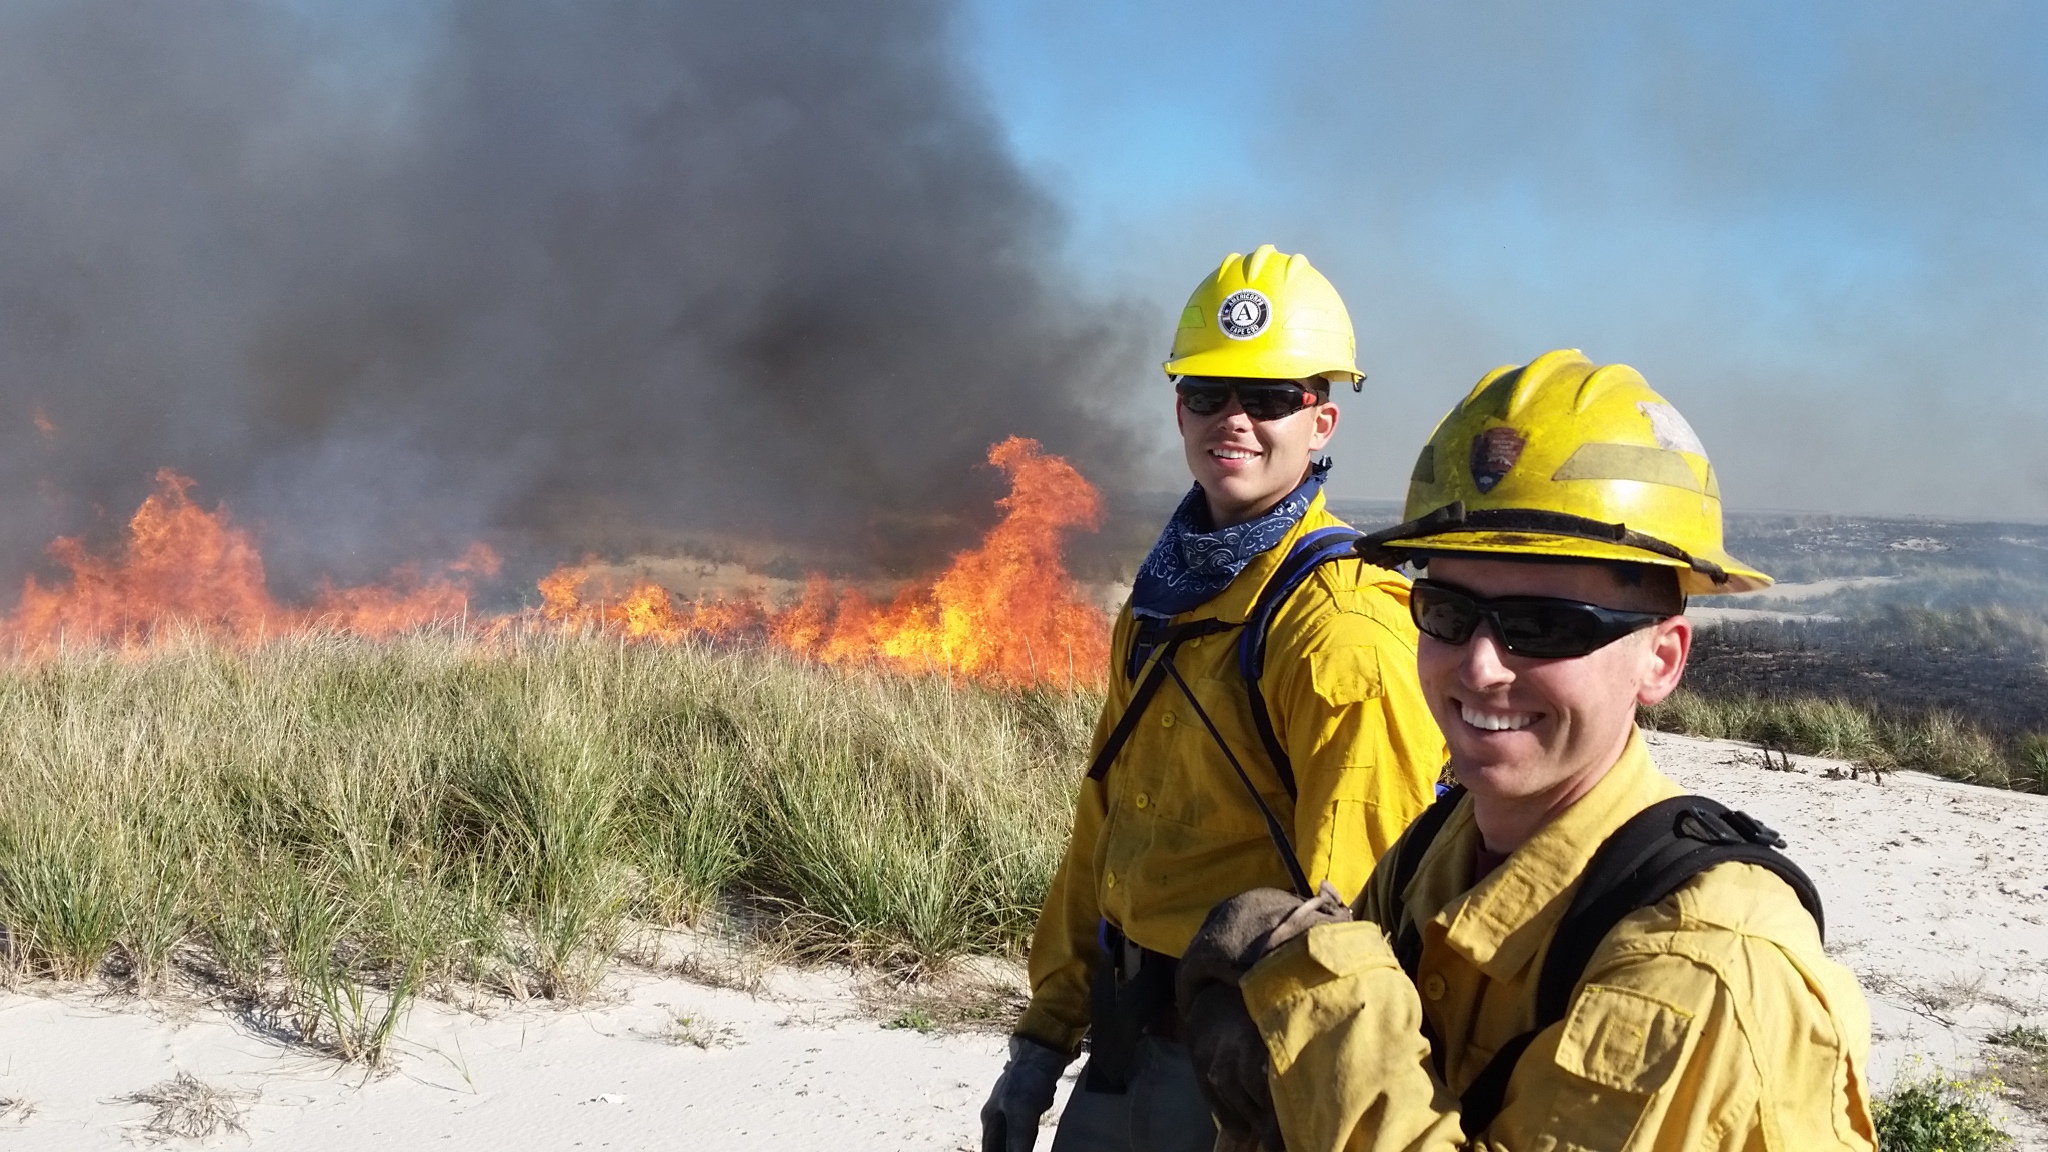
column 1009, row 1121
column 1223, row 1044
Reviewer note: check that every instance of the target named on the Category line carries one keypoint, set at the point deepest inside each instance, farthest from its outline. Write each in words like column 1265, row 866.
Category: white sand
column 1937, row 895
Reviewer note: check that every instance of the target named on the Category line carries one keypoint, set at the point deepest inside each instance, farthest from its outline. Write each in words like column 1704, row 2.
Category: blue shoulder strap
column 1309, row 552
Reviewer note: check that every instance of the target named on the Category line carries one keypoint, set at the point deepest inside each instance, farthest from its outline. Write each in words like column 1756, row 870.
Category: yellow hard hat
column 1265, row 315
column 1562, row 458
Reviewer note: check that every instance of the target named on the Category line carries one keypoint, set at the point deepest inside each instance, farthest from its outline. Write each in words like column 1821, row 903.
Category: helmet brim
column 1509, row 545
column 1265, row 364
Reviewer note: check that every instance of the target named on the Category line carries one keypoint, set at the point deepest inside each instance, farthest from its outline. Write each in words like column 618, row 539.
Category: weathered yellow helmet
column 1562, row 458
column 1266, row 315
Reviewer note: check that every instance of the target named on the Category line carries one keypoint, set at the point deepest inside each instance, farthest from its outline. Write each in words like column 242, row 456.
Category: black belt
column 1132, row 962
column 1131, row 995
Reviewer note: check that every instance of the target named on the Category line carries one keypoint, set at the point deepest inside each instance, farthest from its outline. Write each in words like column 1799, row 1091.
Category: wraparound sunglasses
column 1261, row 399
column 1535, row 626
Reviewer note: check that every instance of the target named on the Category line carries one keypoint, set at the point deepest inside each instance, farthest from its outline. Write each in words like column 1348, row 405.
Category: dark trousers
column 1161, row 1111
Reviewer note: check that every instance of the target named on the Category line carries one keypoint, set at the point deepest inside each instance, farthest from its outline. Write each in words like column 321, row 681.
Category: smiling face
column 1246, row 466
column 1529, row 736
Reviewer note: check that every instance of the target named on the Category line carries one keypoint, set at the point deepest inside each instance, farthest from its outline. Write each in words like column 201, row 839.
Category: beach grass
column 1937, row 742
column 326, row 827
column 323, row 828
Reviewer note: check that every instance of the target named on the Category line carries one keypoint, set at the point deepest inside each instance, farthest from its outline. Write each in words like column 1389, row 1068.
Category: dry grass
column 325, row 828
column 961, row 998
column 186, row 1107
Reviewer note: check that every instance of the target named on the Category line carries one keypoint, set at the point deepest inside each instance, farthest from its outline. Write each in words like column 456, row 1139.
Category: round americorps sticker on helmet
column 1244, row 314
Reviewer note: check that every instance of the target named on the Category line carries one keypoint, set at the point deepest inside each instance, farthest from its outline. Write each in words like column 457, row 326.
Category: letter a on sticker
column 1244, row 314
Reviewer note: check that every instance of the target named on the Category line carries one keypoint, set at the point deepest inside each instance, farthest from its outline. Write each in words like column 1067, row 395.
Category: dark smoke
column 569, row 277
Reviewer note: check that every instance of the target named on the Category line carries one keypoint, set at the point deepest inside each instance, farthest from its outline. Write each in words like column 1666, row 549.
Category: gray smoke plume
column 571, row 277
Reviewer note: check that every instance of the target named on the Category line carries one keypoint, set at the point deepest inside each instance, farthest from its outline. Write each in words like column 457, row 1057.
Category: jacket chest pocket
column 1619, row 1048
column 1186, row 778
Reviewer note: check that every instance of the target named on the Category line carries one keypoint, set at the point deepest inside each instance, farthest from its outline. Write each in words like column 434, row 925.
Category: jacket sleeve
column 1340, row 683
column 1658, row 1052
column 1063, row 946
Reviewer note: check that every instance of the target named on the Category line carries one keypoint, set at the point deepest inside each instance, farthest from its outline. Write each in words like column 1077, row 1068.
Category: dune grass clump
column 327, row 827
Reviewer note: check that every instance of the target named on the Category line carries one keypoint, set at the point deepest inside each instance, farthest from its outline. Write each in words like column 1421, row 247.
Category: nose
column 1232, row 413
column 1484, row 663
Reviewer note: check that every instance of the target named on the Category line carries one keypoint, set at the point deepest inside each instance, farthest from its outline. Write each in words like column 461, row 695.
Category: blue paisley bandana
column 1192, row 563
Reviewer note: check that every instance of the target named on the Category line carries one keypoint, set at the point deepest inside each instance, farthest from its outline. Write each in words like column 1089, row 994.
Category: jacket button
column 1142, row 800
column 1166, row 721
column 1433, row 986
column 1110, row 881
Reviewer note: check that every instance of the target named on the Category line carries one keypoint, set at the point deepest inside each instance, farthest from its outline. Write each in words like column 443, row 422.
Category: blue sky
column 1820, row 229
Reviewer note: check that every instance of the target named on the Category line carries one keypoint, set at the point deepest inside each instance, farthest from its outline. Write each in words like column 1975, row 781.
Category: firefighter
column 1262, row 726
column 1566, row 951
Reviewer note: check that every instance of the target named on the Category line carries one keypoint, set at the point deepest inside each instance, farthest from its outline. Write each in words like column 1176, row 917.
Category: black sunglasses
column 1537, row 626
column 1261, row 399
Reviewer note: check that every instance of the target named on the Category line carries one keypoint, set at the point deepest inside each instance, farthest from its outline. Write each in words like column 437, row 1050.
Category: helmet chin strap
column 1378, row 549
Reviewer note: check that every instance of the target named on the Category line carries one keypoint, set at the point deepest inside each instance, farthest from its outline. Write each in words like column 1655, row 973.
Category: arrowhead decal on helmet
column 1494, row 453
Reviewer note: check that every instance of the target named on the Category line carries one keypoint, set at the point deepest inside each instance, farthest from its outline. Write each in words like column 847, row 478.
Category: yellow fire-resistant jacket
column 1172, row 831
column 1710, row 1021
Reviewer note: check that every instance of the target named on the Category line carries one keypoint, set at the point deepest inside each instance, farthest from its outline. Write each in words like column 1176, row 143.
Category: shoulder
column 1738, row 930
column 1717, row 918
column 1346, row 601
column 1734, row 958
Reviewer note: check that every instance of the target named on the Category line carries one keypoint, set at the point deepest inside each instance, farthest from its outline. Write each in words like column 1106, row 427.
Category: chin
column 1496, row 780
column 1241, row 488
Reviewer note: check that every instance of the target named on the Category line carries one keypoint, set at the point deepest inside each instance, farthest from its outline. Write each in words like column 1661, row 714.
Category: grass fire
column 1006, row 612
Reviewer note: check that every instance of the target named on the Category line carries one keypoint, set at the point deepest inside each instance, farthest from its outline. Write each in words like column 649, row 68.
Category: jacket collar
column 1503, row 922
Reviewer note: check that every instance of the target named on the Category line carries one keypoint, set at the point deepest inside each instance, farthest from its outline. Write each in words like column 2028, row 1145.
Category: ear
column 1670, row 642
column 1326, row 425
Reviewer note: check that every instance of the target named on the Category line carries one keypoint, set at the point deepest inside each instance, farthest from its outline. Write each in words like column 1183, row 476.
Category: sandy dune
column 1937, row 894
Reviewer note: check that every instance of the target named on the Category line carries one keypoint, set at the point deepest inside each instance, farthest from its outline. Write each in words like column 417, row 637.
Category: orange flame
column 1005, row 612
column 184, row 566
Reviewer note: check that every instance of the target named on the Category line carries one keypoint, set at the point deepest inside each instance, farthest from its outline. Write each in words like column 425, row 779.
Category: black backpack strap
column 1407, row 861
column 1642, row 864
column 1647, row 859
column 1160, row 643
column 1274, row 829
column 1311, row 551
column 1165, row 642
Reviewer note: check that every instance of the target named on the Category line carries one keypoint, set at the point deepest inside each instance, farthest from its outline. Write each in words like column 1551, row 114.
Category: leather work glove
column 1223, row 1044
column 1009, row 1121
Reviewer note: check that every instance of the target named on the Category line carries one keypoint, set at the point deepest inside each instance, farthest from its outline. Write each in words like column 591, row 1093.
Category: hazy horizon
column 1815, row 229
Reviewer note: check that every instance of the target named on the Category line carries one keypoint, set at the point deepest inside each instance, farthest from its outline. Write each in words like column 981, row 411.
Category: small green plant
column 1936, row 1112
column 2033, row 761
column 699, row 1031
column 2021, row 1038
column 913, row 1020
